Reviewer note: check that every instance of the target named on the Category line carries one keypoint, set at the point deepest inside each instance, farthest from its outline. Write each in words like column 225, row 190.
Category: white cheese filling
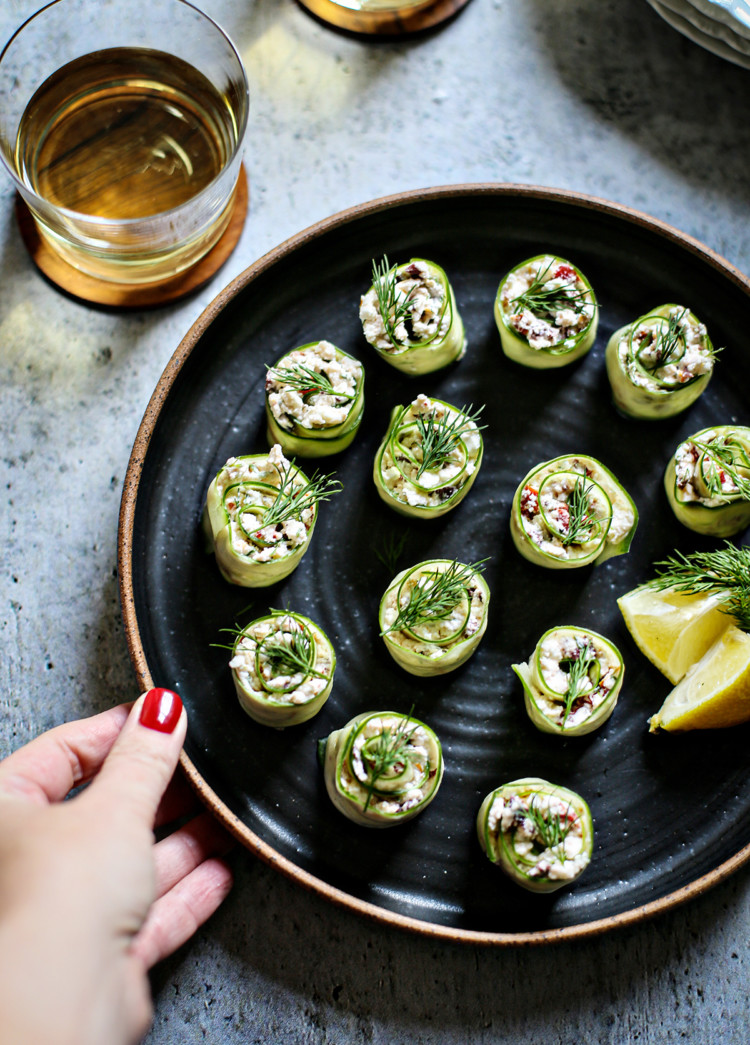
column 277, row 540
column 555, row 501
column 561, row 862
column 558, row 648
column 292, row 406
column 539, row 328
column 435, row 485
column 426, row 317
column 697, row 359
column 299, row 688
column 355, row 775
column 689, row 480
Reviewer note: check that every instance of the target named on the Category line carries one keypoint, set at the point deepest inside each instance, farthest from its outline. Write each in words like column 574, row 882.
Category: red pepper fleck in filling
column 529, row 501
column 564, row 272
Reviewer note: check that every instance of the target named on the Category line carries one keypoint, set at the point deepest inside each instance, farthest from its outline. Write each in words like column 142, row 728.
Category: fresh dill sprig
column 439, row 436
column 579, row 668
column 582, row 525
column 237, row 631
column 724, row 572
column 391, row 549
column 389, row 751
column 435, row 595
column 546, row 300
column 552, row 828
column 306, row 381
column 290, row 654
column 665, row 343
column 726, row 455
column 292, row 500
column 392, row 310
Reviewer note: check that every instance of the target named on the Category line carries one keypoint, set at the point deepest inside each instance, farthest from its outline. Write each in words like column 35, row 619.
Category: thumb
column 143, row 759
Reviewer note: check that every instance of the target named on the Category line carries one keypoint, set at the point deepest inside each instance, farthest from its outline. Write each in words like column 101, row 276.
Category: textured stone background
column 599, row 96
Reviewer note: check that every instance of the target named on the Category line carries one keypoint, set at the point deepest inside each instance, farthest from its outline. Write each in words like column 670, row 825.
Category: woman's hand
column 88, row 901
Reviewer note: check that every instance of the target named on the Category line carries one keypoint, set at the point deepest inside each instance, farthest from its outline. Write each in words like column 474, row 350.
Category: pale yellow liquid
column 124, row 134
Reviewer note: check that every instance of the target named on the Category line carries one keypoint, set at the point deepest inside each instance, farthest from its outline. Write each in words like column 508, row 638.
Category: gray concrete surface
column 600, row 96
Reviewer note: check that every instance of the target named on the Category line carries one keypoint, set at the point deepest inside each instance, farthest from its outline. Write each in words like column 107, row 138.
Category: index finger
column 143, row 760
column 49, row 767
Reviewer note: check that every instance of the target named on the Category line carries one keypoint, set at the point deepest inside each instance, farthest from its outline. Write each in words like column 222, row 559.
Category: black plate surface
column 667, row 809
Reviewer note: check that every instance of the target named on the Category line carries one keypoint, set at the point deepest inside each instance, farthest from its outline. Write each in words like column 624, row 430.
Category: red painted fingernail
column 161, row 710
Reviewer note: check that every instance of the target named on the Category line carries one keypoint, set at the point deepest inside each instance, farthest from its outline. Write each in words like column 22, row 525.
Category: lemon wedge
column 673, row 630
column 715, row 692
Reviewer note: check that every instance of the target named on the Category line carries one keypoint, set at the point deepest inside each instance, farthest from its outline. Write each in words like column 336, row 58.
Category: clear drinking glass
column 122, row 126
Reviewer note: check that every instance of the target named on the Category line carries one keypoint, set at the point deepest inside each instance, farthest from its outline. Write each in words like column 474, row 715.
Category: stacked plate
column 721, row 26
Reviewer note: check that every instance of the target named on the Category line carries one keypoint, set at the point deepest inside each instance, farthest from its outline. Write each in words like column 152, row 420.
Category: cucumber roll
column 571, row 681
column 282, row 666
column 546, row 313
column 429, row 457
column 314, row 400
column 409, row 316
column 541, row 835
column 708, row 481
column 382, row 768
column 571, row 511
column 433, row 615
column 659, row 364
column 259, row 516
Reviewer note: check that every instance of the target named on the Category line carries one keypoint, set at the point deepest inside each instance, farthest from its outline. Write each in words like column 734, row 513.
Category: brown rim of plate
column 125, row 564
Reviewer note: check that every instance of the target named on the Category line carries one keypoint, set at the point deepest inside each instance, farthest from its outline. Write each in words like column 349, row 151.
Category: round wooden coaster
column 385, row 23
column 133, row 295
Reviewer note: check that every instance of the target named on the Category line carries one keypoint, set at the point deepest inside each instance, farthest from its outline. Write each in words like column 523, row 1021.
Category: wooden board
column 132, row 295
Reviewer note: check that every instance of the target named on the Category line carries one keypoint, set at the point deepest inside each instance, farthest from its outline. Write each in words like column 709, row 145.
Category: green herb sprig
column 551, row 828
column 727, row 455
column 390, row 749
column 392, row 309
column 439, row 436
column 579, row 668
column 724, row 572
column 291, row 654
column 292, row 500
column 668, row 345
column 307, row 381
column 391, row 549
column 582, row 525
column 546, row 300
column 435, row 595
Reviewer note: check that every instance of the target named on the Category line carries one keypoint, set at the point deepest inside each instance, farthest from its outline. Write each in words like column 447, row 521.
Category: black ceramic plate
column 671, row 813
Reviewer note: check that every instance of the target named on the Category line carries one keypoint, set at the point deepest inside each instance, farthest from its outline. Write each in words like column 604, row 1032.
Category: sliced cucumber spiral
column 410, row 318
column 570, row 512
column 546, row 312
column 315, row 398
column 259, row 516
column 282, row 665
column 707, row 481
column 658, row 365
column 382, row 768
column 572, row 681
column 429, row 457
column 433, row 615
column 540, row 834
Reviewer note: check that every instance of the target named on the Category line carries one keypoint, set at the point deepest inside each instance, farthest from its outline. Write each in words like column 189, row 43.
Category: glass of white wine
column 122, row 126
